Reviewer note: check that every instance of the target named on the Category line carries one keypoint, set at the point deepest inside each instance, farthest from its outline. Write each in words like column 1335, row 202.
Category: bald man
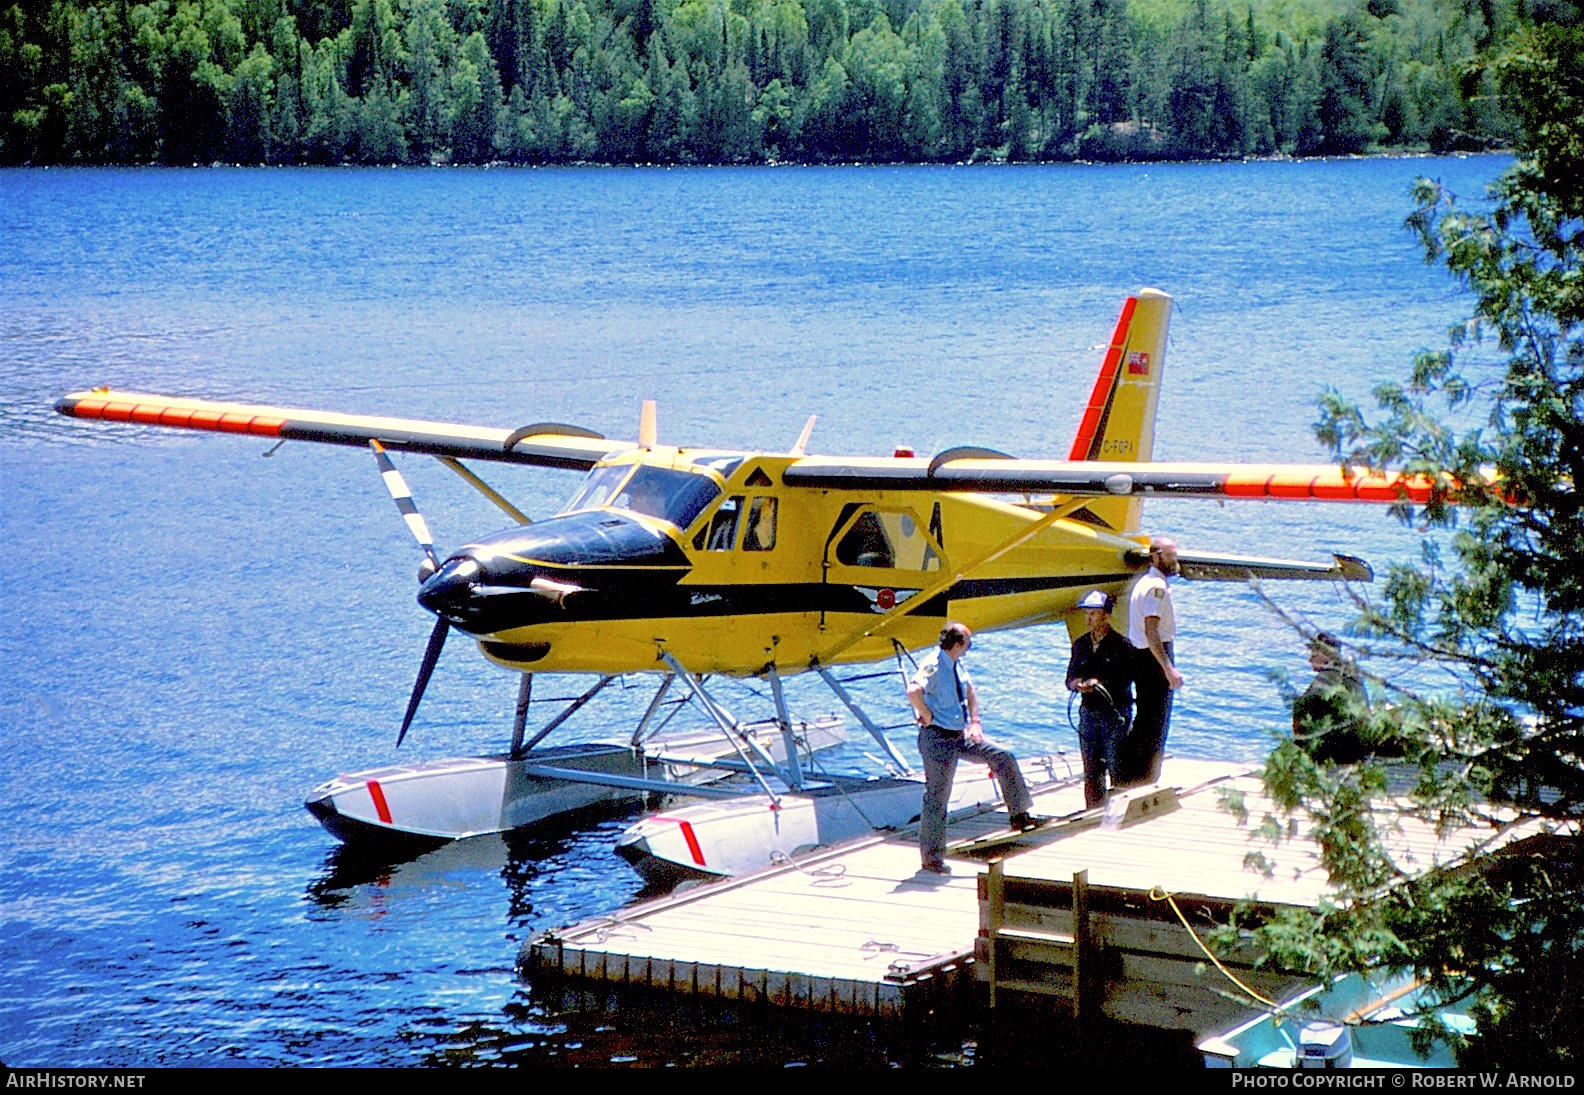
column 1152, row 631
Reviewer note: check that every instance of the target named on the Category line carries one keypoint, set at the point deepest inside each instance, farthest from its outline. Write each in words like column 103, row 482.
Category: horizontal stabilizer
column 1207, row 567
column 577, row 451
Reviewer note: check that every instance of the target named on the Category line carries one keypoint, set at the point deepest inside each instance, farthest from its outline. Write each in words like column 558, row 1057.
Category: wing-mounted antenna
column 646, row 425
column 801, row 448
column 513, row 439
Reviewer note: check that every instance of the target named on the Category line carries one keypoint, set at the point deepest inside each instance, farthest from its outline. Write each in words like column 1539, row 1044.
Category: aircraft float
column 691, row 562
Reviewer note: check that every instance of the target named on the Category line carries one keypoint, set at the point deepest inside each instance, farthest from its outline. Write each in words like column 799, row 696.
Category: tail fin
column 1119, row 422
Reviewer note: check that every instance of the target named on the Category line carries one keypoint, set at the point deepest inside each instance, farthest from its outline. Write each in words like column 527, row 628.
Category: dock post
column 995, row 897
column 1085, row 969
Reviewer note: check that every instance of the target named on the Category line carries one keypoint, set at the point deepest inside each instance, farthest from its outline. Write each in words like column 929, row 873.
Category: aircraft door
column 734, row 596
column 879, row 557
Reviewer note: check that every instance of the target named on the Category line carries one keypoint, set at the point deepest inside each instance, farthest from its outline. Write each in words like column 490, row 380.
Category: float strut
column 874, row 731
column 654, row 705
column 567, row 714
column 520, row 718
column 731, row 731
column 793, row 770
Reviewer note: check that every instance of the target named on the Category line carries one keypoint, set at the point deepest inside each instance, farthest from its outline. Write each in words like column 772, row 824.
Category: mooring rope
column 1160, row 893
column 828, row 875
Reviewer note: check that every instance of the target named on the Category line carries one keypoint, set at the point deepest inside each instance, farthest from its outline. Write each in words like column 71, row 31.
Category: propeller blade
column 404, row 501
column 437, row 639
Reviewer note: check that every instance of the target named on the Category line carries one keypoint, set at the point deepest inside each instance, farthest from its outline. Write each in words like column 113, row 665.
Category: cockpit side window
column 721, row 531
column 759, row 531
column 675, row 496
column 598, row 488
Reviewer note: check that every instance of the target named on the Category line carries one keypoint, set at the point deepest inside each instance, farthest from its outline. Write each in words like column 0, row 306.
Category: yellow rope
column 1159, row 893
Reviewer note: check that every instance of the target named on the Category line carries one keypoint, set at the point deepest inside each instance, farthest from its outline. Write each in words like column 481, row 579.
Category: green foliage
column 1504, row 616
column 290, row 81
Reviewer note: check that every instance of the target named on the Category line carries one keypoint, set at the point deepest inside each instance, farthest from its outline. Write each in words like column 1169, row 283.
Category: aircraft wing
column 545, row 444
column 983, row 473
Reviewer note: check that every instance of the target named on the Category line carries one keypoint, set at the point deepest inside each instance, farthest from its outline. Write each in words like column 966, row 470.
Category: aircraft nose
column 449, row 591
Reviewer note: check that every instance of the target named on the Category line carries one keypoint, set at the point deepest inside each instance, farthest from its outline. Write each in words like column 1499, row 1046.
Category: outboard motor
column 1325, row 1045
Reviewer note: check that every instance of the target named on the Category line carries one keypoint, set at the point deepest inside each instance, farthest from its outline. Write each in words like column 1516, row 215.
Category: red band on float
column 692, row 842
column 379, row 801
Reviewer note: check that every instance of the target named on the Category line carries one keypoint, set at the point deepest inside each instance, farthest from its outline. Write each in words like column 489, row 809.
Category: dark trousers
column 1100, row 732
column 1141, row 754
column 941, row 750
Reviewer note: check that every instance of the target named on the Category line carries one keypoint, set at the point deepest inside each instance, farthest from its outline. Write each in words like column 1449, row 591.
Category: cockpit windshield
column 598, row 489
column 675, row 496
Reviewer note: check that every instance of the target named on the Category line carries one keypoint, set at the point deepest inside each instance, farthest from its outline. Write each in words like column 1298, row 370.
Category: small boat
column 712, row 840
column 1352, row 1023
column 416, row 807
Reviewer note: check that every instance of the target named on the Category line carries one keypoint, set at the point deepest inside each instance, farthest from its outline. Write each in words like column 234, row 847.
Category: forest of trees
column 737, row 81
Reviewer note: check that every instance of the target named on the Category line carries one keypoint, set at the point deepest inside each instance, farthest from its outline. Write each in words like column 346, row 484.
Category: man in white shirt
column 1152, row 631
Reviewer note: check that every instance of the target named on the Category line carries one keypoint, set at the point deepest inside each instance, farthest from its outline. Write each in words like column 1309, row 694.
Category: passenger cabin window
column 889, row 541
column 721, row 532
column 759, row 532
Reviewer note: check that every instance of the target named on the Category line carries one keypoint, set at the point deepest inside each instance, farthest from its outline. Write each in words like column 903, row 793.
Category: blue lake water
column 192, row 638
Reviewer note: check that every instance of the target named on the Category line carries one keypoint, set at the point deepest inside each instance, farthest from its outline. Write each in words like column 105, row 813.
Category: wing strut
column 486, row 490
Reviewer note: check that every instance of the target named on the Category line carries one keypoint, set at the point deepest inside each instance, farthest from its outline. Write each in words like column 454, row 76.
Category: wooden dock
column 857, row 930
column 1109, row 920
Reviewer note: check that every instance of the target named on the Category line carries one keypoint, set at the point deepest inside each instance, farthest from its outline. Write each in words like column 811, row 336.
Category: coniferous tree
column 1344, row 87
column 687, row 80
column 475, row 102
column 1505, row 615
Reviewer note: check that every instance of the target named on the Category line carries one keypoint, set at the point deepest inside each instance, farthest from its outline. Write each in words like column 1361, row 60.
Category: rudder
column 1119, row 421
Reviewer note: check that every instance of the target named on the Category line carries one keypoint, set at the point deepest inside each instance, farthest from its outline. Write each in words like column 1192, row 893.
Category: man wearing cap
column 1152, row 630
column 947, row 709
column 1327, row 718
column 1101, row 672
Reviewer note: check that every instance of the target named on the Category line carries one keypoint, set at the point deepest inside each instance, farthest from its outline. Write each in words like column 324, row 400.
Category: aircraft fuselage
column 713, row 558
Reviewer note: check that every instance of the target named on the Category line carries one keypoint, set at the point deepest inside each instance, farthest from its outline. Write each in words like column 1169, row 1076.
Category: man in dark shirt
column 1328, row 719
column 1101, row 673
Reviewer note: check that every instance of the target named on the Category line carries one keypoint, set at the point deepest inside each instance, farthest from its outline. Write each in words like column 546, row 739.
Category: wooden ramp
column 857, row 930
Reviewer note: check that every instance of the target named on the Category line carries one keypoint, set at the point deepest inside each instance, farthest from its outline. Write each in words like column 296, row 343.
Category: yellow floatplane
column 694, row 561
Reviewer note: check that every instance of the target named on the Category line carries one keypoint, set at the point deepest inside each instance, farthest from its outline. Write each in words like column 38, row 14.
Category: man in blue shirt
column 947, row 709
